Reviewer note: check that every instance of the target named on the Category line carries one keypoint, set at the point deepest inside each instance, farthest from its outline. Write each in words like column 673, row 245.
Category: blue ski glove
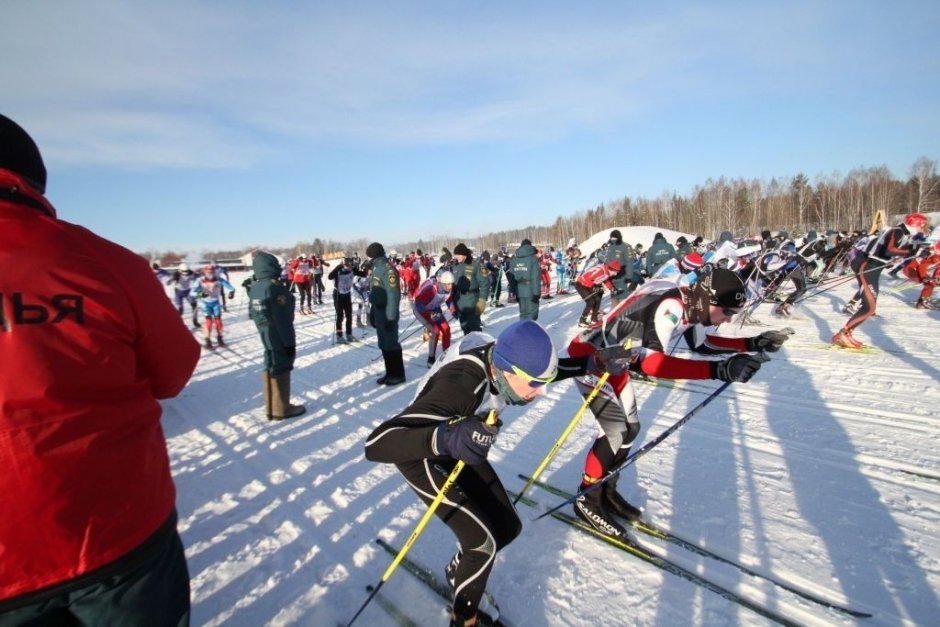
column 739, row 368
column 466, row 438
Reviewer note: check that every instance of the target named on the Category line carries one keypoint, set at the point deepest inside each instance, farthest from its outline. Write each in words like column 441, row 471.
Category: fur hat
column 375, row 250
column 526, row 345
column 461, row 249
column 615, row 234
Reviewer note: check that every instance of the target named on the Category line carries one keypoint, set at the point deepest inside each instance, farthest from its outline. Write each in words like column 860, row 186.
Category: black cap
column 19, row 154
column 461, row 249
column 375, row 250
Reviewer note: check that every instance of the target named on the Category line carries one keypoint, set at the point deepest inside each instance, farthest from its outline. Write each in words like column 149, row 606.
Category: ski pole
column 564, row 436
column 643, row 451
column 451, row 480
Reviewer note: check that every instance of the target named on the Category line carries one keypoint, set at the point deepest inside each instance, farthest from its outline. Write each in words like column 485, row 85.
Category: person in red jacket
column 88, row 530
column 926, row 272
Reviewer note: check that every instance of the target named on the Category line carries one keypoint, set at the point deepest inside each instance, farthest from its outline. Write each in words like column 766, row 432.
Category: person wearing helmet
column 432, row 296
column 448, row 420
column 91, row 344
column 654, row 316
column 208, row 290
column 590, row 286
column 868, row 264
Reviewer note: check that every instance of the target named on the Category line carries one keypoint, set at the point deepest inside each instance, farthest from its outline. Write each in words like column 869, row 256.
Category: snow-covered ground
column 823, row 471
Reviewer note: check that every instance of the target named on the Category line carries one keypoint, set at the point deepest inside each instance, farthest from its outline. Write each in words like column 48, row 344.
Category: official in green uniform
column 472, row 284
column 271, row 307
column 385, row 296
column 524, row 265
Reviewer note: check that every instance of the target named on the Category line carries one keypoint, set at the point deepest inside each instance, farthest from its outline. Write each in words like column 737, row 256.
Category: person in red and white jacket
column 925, row 271
column 653, row 318
column 432, row 297
column 89, row 344
column 590, row 286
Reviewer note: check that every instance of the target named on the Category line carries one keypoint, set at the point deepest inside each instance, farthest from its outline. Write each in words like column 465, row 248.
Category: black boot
column 590, row 508
column 381, row 380
column 395, row 368
column 616, row 504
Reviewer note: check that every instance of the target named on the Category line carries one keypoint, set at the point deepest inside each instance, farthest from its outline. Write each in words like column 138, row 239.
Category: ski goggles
column 533, row 382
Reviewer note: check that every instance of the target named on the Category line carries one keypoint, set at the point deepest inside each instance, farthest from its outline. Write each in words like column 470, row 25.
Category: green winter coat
column 472, row 288
column 385, row 297
column 524, row 266
column 620, row 252
column 659, row 253
column 271, row 307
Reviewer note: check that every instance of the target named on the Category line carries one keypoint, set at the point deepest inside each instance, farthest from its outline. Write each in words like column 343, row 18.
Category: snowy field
column 823, row 472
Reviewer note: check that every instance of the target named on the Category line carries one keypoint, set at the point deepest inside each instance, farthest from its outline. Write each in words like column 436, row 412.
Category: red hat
column 614, row 265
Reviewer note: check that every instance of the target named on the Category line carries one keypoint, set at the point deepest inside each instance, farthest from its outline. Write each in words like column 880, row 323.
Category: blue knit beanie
column 526, row 345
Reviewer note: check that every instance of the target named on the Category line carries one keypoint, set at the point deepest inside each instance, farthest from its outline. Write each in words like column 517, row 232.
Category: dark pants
column 477, row 511
column 343, row 305
column 149, row 587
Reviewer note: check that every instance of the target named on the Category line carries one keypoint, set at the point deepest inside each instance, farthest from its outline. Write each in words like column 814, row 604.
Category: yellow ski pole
column 564, row 436
column 451, row 480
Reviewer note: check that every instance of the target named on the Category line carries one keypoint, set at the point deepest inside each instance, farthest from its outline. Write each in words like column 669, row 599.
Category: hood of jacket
column 265, row 266
column 526, row 250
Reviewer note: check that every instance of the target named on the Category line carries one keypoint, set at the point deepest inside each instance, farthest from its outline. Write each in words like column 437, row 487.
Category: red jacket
column 88, row 343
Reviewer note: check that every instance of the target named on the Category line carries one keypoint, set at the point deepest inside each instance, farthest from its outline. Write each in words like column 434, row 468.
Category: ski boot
column 844, row 339
column 208, row 343
column 431, row 361
column 340, row 339
column 590, row 508
column 616, row 504
column 584, row 322
column 219, row 341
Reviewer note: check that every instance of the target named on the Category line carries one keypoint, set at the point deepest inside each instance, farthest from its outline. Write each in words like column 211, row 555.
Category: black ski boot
column 208, row 343
column 590, row 508
column 220, row 341
column 617, row 505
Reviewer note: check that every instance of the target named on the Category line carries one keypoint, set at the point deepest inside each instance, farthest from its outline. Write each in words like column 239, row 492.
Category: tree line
column 742, row 206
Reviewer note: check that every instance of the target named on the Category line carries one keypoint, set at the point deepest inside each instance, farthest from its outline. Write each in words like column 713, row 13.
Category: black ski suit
column 477, row 508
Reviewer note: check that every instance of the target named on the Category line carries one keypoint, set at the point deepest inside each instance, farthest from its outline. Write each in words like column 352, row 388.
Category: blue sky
column 201, row 124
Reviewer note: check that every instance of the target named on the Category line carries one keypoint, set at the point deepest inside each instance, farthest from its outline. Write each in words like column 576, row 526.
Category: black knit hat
column 615, row 234
column 726, row 287
column 461, row 249
column 19, row 154
column 375, row 250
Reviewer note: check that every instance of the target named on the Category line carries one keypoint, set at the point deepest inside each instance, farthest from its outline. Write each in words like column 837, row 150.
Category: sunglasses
column 534, row 382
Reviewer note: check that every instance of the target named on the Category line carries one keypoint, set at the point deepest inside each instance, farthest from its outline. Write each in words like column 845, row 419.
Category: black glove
column 290, row 351
column 536, row 298
column 231, row 294
column 613, row 359
column 739, row 368
column 769, row 340
column 467, row 438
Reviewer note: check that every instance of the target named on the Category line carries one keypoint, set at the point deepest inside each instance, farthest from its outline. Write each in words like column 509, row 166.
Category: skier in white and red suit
column 653, row 317
column 590, row 287
column 433, row 295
